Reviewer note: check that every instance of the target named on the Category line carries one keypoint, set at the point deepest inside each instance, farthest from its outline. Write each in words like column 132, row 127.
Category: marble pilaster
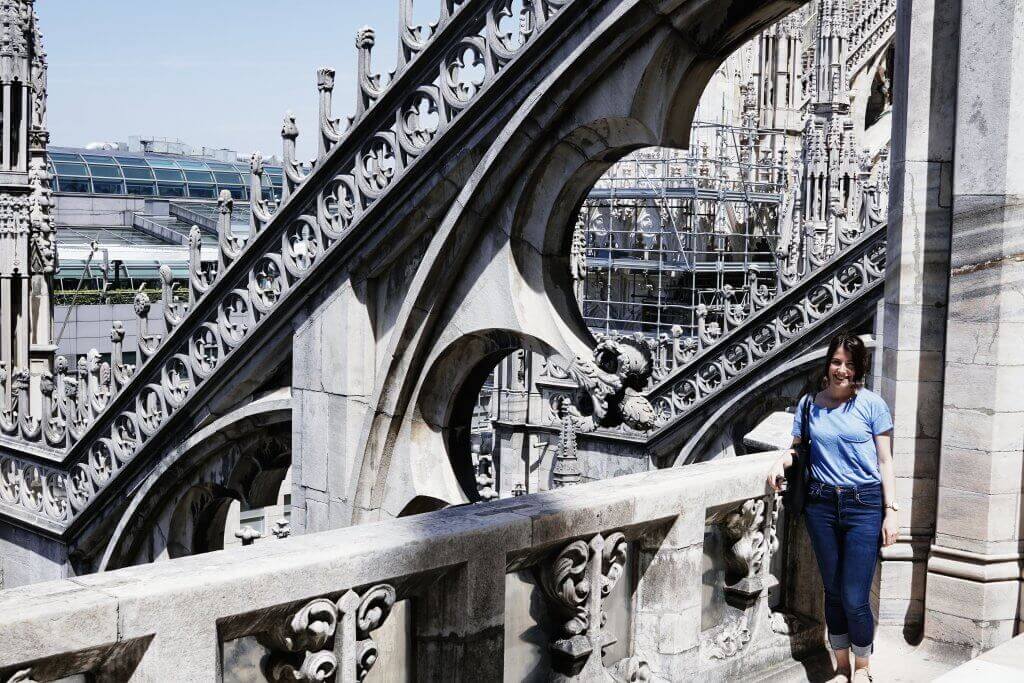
column 972, row 600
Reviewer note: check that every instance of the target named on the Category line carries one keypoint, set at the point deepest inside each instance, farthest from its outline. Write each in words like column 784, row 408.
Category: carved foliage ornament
column 749, row 533
column 576, row 582
column 329, row 639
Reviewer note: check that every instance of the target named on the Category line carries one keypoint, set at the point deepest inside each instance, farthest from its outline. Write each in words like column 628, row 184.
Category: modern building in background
column 121, row 215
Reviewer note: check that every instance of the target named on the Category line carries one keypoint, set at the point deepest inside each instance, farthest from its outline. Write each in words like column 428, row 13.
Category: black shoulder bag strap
column 798, row 476
column 805, row 433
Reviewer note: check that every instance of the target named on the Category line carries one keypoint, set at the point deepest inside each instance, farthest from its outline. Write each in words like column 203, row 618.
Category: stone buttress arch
column 494, row 261
column 450, row 390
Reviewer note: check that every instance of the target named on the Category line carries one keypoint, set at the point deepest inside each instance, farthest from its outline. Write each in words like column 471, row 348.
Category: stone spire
column 830, row 170
column 832, row 92
column 27, row 246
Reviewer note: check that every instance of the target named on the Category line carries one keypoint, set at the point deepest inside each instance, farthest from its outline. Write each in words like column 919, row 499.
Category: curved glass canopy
column 154, row 175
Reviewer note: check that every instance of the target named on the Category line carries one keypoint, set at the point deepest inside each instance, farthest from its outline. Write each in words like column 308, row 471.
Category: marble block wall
column 916, row 290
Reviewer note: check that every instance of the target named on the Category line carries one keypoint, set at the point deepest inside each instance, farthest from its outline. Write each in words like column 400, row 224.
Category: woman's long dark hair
column 854, row 346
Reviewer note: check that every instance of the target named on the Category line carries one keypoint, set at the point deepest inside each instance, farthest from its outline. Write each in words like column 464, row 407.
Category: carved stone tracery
column 345, row 189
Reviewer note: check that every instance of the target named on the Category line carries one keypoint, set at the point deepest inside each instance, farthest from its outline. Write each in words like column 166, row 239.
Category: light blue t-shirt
column 843, row 449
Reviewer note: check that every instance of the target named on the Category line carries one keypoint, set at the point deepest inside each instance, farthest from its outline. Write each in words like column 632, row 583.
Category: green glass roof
column 153, row 175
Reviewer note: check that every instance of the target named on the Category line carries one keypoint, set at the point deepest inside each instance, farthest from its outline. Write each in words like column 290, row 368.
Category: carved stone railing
column 91, row 426
column 765, row 333
column 875, row 25
column 661, row 576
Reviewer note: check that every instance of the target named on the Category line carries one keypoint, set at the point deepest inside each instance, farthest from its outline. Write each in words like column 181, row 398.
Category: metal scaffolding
column 669, row 230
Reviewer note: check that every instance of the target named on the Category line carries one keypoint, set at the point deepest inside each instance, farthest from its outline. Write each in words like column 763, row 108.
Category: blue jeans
column 845, row 526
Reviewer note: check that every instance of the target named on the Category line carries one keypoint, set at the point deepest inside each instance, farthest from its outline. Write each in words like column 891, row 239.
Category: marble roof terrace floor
column 894, row 661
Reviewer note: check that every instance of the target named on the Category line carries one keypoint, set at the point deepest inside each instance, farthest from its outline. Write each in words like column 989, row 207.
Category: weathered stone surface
column 186, row 604
column 979, row 516
column 965, row 638
column 1002, row 663
column 983, row 471
column 772, row 434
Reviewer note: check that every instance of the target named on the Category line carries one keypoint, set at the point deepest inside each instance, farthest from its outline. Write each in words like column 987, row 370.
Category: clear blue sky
column 219, row 73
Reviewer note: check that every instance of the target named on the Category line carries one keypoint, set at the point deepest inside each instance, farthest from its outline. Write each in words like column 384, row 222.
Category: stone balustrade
column 875, row 26
column 666, row 573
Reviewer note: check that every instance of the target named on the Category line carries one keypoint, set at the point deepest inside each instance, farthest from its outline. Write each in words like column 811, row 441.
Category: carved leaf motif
column 613, row 561
column 565, row 583
column 742, row 530
column 309, row 629
column 730, row 639
column 374, row 608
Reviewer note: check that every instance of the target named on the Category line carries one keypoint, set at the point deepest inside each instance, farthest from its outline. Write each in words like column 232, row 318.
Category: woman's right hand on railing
column 777, row 475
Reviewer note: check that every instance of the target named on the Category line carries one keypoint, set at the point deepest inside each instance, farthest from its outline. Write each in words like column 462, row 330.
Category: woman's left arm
column 891, row 525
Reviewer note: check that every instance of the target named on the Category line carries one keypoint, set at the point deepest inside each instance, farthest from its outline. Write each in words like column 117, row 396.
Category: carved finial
column 166, row 275
column 117, row 332
column 20, row 380
column 256, row 163
column 325, row 78
column 70, row 389
column 194, row 239
column 282, row 528
column 142, row 302
column 247, row 535
column 366, row 37
column 60, row 365
column 225, row 202
column 46, row 384
column 290, row 129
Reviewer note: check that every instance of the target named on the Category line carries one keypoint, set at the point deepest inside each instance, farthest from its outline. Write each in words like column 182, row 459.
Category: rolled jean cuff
column 839, row 641
column 862, row 650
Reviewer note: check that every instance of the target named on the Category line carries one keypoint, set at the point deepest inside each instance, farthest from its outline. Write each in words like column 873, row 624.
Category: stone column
column 974, row 568
column 916, row 290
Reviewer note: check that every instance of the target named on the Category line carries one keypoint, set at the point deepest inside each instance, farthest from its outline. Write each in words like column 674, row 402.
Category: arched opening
column 880, row 99
column 198, row 521
column 684, row 246
column 214, row 517
column 482, row 398
column 218, row 494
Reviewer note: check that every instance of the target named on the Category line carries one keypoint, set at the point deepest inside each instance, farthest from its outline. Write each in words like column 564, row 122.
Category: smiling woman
column 844, row 435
